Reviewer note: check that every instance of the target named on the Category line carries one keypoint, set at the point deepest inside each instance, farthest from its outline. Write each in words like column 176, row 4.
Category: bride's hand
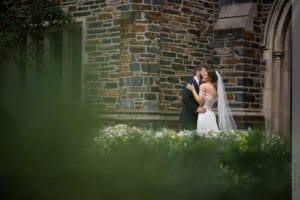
column 190, row 87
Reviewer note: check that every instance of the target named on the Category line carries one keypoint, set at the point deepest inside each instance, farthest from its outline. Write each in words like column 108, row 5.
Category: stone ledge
column 162, row 116
column 138, row 116
column 244, row 118
column 239, row 15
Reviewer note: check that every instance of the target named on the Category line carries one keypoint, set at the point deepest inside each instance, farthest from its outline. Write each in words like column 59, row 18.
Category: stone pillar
column 186, row 42
column 140, row 54
column 276, row 82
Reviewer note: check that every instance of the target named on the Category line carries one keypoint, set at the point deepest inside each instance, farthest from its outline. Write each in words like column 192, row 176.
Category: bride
column 206, row 98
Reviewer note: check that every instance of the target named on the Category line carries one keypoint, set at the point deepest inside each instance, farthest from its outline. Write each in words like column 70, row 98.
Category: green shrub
column 53, row 152
column 169, row 165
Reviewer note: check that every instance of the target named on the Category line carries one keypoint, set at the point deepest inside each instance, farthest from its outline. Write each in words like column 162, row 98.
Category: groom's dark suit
column 189, row 115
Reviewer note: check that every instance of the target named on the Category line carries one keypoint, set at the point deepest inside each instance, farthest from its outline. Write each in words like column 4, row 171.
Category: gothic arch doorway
column 277, row 53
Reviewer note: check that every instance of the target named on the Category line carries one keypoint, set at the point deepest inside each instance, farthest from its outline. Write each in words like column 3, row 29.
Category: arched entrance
column 277, row 53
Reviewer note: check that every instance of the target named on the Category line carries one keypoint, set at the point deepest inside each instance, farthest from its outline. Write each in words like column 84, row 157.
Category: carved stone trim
column 278, row 55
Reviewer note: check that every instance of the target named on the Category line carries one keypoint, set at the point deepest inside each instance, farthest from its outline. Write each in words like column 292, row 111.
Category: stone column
column 139, row 56
column 276, row 82
column 186, row 42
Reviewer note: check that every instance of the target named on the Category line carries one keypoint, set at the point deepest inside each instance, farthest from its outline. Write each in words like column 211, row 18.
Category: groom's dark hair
column 199, row 68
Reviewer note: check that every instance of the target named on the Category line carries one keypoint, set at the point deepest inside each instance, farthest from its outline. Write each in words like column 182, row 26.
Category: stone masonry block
column 154, row 28
column 147, row 55
column 96, row 31
column 171, row 98
column 81, row 14
column 148, row 80
column 178, row 67
column 153, row 15
column 169, row 54
column 90, row 48
column 95, row 25
column 155, row 50
column 149, row 96
column 134, row 67
column 104, row 16
column 111, row 85
column 151, row 105
column 137, row 49
column 136, row 28
column 109, row 99
column 245, row 82
column 141, row 7
column 173, row 80
column 151, row 67
column 136, row 81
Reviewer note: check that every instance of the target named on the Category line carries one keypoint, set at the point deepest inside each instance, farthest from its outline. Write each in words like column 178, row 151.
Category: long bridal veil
column 226, row 121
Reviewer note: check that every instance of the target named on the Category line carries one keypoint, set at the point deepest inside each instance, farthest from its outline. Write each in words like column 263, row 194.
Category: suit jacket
column 189, row 115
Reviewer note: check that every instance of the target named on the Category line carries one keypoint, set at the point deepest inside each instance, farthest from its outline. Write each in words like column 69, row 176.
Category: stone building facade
column 138, row 54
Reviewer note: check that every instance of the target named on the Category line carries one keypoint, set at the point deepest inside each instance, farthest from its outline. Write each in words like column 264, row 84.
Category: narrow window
column 64, row 60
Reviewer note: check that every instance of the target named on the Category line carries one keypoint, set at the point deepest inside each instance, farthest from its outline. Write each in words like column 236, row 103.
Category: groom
column 190, row 107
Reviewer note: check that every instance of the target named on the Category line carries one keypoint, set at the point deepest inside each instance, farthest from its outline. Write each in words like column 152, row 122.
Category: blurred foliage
column 228, row 165
column 45, row 147
column 53, row 151
column 18, row 19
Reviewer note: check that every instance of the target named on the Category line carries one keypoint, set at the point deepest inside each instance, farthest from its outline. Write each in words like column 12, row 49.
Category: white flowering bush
column 110, row 137
column 229, row 162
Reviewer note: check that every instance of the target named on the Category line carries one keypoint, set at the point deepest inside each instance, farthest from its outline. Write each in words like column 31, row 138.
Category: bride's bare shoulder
column 203, row 88
column 203, row 84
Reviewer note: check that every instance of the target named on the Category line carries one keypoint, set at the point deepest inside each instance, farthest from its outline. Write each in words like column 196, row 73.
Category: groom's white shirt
column 196, row 80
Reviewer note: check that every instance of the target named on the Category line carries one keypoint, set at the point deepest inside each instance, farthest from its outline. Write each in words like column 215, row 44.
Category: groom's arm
column 187, row 100
column 190, row 102
column 201, row 109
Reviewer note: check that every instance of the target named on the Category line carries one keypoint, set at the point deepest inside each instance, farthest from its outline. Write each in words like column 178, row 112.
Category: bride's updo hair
column 213, row 76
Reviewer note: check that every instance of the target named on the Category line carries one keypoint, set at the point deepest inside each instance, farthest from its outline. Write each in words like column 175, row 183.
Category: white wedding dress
column 207, row 121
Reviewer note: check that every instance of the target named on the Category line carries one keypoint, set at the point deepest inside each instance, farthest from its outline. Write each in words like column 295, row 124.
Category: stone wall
column 139, row 54
column 102, row 27
column 186, row 42
column 238, row 55
column 238, row 58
